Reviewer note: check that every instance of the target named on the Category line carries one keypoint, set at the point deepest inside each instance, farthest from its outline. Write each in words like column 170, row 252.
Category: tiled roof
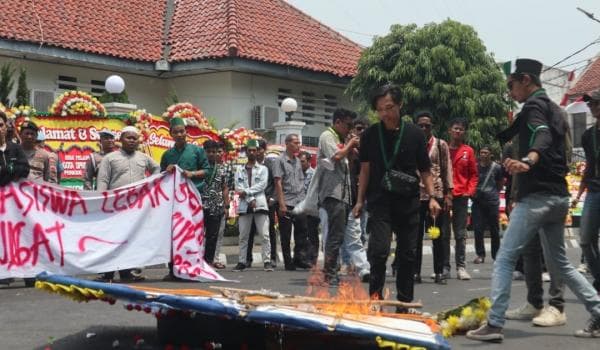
column 129, row 29
column 261, row 30
column 588, row 81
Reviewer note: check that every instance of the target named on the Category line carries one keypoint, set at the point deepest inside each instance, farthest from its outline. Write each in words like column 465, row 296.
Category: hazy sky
column 548, row 30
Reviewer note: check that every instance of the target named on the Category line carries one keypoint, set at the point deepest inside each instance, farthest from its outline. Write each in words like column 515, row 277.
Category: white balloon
column 114, row 84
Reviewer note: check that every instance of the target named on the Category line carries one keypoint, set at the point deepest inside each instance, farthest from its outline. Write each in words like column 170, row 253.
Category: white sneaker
column 462, row 274
column 524, row 312
column 582, row 268
column 546, row 277
column 550, row 317
column 518, row 276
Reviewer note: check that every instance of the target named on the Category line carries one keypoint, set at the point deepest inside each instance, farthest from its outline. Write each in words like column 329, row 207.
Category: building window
column 97, row 87
column 310, row 141
column 67, row 83
column 313, row 108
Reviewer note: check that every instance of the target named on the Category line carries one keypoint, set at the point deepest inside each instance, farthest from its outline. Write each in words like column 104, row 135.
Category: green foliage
column 6, row 82
column 172, row 98
column 107, row 97
column 22, row 90
column 443, row 68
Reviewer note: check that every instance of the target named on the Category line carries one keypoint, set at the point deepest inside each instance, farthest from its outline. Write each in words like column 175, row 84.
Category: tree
column 443, row 68
column 22, row 90
column 107, row 97
column 6, row 82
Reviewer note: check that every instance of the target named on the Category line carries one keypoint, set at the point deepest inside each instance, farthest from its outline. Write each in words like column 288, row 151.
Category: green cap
column 252, row 143
column 177, row 121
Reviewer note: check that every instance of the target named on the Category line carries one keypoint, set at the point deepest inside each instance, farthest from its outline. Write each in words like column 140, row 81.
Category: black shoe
column 487, row 333
column 239, row 267
column 592, row 330
column 479, row 260
column 6, row 281
column 439, row 279
column 268, row 266
column 418, row 279
column 290, row 267
column 332, row 281
column 29, row 282
column 248, row 264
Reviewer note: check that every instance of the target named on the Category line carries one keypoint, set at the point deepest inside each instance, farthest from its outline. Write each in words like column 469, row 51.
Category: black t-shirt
column 412, row 156
column 592, row 161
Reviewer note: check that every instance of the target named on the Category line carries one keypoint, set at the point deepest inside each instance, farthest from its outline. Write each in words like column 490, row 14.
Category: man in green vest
column 189, row 157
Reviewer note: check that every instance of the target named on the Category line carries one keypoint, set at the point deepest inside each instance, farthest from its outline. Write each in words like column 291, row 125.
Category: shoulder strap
column 389, row 164
column 489, row 174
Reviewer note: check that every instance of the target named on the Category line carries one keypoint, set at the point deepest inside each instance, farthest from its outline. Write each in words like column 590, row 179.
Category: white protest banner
column 63, row 231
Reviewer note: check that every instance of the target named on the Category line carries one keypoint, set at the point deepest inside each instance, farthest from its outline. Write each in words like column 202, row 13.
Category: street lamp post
column 289, row 106
column 114, row 84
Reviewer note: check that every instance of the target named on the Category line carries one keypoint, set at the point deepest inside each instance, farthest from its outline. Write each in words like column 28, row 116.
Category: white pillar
column 283, row 129
column 119, row 108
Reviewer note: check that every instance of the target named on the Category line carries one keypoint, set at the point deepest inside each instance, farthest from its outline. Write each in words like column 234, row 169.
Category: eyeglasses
column 359, row 128
column 424, row 126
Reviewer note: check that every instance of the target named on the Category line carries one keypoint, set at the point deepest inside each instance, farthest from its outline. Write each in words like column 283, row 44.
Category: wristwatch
column 528, row 161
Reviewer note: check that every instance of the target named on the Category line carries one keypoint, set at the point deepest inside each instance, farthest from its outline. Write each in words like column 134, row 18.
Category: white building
column 236, row 60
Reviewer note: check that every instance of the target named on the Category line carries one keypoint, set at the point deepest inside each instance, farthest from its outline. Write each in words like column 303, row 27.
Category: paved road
column 31, row 319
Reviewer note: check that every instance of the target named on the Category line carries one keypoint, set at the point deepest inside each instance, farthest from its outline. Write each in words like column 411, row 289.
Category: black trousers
column 272, row 237
column 533, row 266
column 212, row 223
column 300, row 237
column 486, row 213
column 313, row 238
column 337, row 219
column 401, row 217
column 425, row 221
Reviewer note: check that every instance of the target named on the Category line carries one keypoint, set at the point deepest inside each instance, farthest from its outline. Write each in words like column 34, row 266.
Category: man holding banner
column 13, row 163
column 107, row 145
column 189, row 157
column 122, row 168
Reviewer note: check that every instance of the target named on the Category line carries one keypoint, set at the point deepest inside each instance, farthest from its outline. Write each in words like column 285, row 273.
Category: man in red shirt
column 465, row 177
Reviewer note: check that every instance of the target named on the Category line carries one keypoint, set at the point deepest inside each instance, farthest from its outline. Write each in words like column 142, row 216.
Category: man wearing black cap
column 590, row 220
column 39, row 159
column 107, row 145
column 542, row 201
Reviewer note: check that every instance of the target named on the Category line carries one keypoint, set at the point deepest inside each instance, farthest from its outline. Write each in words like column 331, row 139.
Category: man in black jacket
column 13, row 163
column 542, row 201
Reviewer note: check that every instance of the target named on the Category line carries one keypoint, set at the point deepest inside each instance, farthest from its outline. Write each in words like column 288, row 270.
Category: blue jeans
column 353, row 250
column 590, row 224
column 532, row 213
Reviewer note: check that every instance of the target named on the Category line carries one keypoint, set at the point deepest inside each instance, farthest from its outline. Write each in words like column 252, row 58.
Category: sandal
column 219, row 266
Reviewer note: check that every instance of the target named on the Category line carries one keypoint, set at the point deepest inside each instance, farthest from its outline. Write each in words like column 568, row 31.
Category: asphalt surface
column 33, row 319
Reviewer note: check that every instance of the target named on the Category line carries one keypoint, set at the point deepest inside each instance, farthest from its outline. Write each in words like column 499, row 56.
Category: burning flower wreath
column 77, row 103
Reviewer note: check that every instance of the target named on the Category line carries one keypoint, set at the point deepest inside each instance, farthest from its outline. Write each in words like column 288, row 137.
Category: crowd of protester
column 392, row 180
